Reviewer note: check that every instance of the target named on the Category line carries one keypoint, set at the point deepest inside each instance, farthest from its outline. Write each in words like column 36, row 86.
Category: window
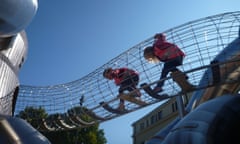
column 159, row 115
column 147, row 122
column 141, row 126
column 153, row 119
column 174, row 106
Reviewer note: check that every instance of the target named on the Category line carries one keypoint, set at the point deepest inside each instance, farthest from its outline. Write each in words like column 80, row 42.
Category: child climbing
column 168, row 53
column 126, row 79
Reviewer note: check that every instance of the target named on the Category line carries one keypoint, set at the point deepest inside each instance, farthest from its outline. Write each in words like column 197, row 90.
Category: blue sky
column 70, row 38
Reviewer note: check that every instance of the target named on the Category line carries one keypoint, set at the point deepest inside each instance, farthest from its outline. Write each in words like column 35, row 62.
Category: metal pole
column 180, row 106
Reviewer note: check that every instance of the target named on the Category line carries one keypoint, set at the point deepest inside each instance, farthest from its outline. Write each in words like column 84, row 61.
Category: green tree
column 33, row 115
column 82, row 135
column 88, row 135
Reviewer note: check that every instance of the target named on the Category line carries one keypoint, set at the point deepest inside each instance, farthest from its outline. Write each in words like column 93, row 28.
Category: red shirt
column 166, row 51
column 120, row 74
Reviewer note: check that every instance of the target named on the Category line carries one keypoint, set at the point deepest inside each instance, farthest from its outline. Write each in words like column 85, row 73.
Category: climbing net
column 201, row 40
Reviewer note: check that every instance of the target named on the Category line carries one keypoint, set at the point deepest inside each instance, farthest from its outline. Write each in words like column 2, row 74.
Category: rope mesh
column 201, row 40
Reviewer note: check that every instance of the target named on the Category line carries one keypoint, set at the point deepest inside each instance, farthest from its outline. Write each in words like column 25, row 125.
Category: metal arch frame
column 93, row 98
column 203, row 95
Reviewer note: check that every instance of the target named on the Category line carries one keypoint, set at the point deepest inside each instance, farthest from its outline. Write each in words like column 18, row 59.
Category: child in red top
column 166, row 52
column 126, row 78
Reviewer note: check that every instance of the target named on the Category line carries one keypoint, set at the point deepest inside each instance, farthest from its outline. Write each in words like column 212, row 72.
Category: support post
column 180, row 106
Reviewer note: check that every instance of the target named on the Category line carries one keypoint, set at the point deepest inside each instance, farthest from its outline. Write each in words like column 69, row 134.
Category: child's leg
column 121, row 105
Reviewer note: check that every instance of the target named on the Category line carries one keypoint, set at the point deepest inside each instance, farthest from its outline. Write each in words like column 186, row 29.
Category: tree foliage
column 84, row 135
column 33, row 115
column 89, row 135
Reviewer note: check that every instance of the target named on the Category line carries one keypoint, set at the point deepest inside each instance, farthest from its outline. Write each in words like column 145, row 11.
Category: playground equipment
column 212, row 65
column 210, row 117
column 14, row 18
column 202, row 40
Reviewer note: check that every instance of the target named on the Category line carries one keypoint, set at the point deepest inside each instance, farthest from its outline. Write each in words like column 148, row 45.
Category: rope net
column 201, row 40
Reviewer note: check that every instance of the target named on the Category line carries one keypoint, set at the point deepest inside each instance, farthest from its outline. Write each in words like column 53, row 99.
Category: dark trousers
column 128, row 84
column 170, row 66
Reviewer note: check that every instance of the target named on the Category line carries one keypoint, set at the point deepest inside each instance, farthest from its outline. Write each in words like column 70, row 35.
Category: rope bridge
column 68, row 104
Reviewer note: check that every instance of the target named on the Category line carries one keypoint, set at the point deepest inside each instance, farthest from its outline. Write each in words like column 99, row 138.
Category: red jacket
column 166, row 51
column 121, row 74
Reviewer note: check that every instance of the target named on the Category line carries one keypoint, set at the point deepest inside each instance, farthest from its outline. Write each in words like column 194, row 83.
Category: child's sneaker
column 137, row 93
column 157, row 89
column 138, row 98
column 121, row 107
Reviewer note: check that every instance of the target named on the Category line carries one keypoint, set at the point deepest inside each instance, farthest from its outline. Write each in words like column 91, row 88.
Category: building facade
column 153, row 122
